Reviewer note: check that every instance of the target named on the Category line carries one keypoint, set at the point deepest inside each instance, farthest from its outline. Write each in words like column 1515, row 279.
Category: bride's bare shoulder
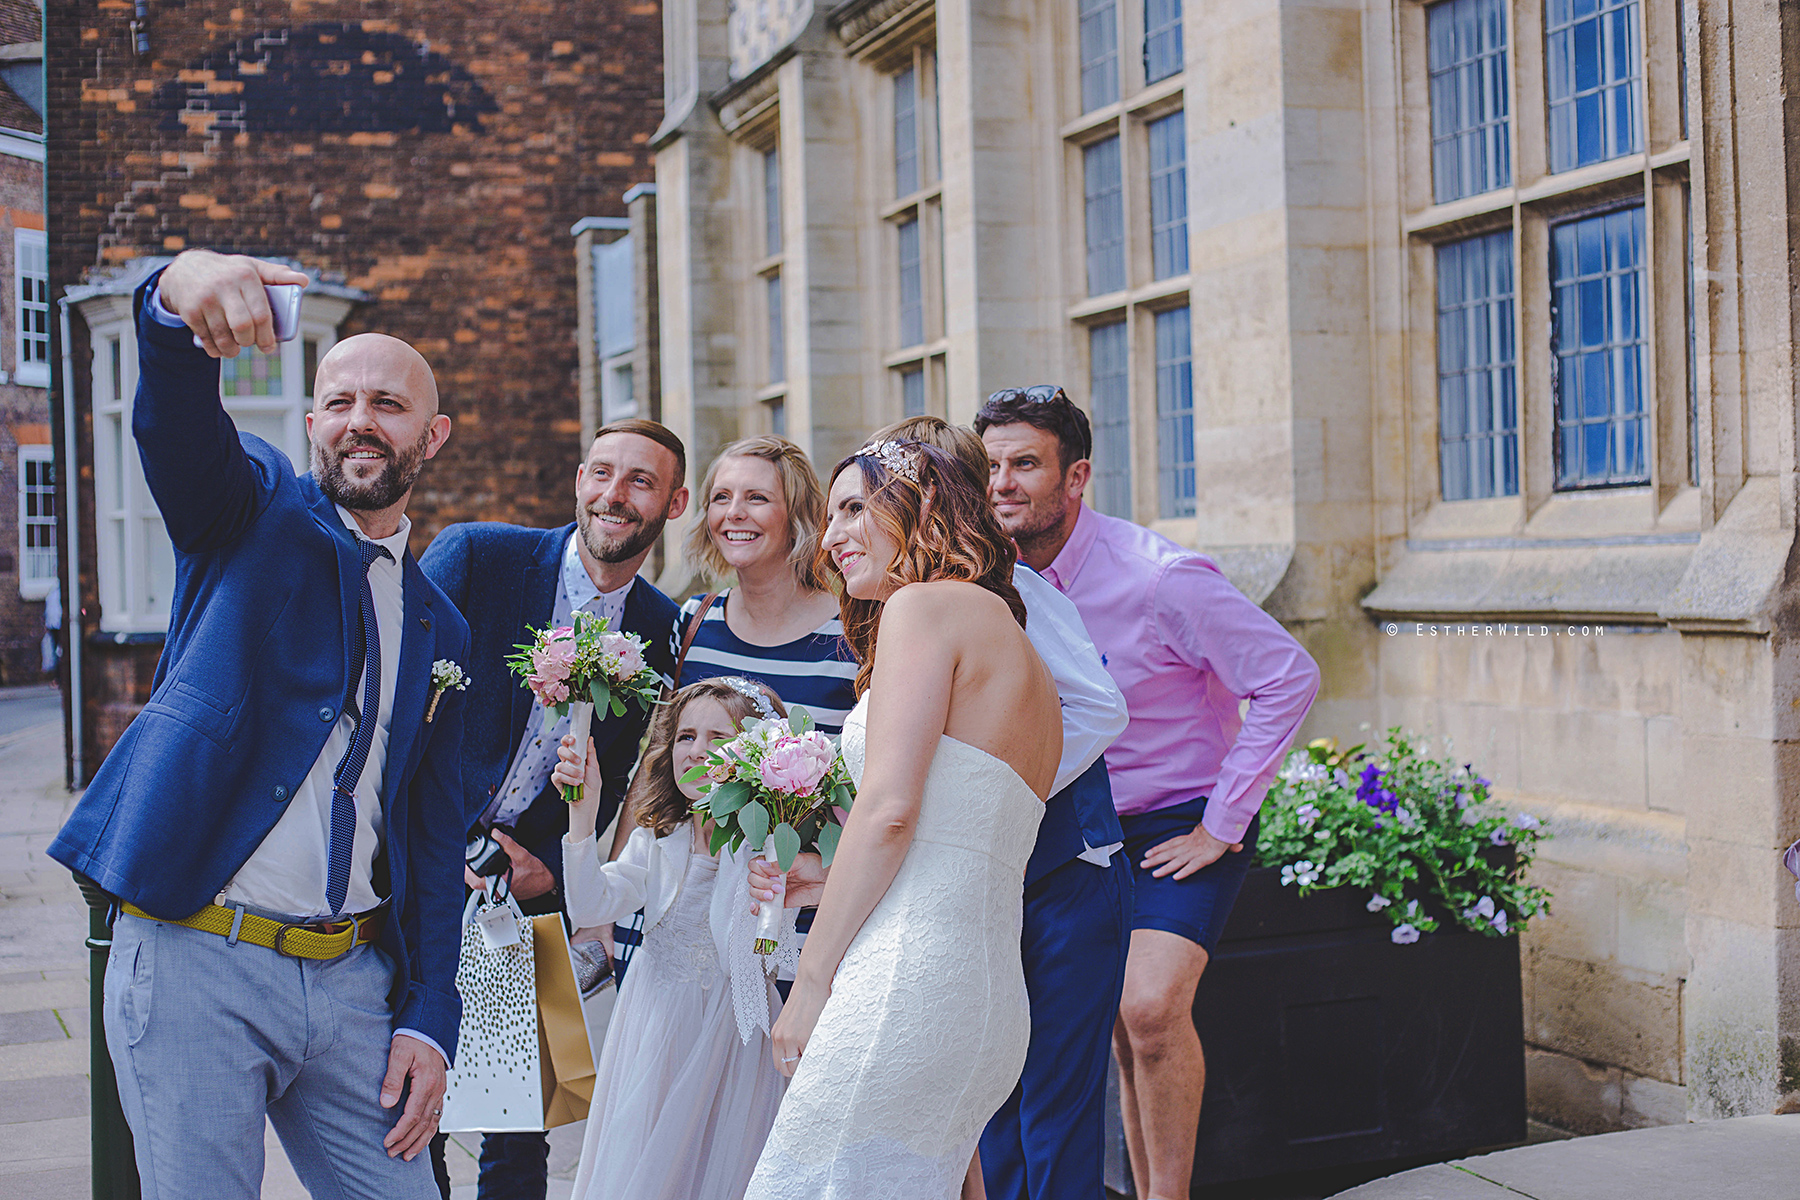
column 948, row 597
column 945, row 610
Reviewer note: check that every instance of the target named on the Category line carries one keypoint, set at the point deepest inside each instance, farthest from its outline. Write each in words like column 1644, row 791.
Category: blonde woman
column 761, row 512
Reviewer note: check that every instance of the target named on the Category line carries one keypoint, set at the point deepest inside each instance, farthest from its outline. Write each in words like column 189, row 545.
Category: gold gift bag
column 567, row 1059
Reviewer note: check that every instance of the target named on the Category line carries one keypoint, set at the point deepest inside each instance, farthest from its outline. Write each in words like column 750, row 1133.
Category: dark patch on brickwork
column 324, row 77
column 460, row 238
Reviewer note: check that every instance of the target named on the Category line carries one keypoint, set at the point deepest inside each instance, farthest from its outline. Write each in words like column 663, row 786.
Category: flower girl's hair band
column 900, row 458
column 749, row 688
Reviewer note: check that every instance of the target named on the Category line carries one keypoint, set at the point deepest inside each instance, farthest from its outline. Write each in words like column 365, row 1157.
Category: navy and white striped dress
column 816, row 672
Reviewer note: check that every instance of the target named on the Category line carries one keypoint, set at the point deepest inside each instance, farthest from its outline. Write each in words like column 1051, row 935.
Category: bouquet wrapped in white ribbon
column 780, row 786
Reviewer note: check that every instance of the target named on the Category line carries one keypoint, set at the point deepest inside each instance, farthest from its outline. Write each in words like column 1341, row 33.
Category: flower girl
column 682, row 1100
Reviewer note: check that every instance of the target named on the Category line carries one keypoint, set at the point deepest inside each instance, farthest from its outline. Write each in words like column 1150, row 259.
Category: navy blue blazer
column 504, row 579
column 1079, row 816
column 252, row 680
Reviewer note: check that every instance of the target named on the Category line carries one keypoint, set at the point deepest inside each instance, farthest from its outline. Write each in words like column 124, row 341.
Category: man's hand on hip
column 221, row 298
column 409, row 1059
column 530, row 877
column 1181, row 856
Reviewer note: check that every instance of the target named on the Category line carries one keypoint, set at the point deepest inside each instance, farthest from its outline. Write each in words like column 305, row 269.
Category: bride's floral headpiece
column 900, row 458
column 749, row 688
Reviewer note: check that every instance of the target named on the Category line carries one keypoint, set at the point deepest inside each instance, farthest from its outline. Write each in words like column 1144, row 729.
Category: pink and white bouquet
column 781, row 786
column 574, row 669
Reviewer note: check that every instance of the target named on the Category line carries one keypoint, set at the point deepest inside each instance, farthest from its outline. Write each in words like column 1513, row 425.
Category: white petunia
column 1404, row 935
column 1377, row 902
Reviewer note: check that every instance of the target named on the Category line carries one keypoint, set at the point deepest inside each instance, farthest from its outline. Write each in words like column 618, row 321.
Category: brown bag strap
column 687, row 639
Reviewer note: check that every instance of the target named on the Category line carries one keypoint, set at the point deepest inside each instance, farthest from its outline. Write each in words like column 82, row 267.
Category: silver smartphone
column 284, row 302
column 284, row 306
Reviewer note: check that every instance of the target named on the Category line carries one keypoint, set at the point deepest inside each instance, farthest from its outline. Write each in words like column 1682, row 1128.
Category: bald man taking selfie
column 281, row 827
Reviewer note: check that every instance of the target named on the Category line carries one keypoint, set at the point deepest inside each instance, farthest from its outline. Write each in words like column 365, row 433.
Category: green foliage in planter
column 1410, row 828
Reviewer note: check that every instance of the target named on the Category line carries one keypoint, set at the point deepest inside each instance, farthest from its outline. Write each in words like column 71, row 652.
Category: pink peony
column 623, row 649
column 795, row 764
column 551, row 662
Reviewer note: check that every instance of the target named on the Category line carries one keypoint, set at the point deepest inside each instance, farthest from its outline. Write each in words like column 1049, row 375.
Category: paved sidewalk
column 44, row 1148
column 1749, row 1158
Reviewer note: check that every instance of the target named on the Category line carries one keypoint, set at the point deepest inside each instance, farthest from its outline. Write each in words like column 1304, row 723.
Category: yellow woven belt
column 322, row 939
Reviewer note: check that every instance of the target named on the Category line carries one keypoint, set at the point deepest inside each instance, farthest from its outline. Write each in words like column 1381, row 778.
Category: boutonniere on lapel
column 575, row 669
column 445, row 676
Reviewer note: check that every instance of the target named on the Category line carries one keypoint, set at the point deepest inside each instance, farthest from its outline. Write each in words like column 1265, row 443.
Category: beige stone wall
column 1659, row 745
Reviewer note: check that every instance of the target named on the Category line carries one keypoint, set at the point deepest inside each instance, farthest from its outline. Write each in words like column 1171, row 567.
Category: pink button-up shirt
column 1185, row 647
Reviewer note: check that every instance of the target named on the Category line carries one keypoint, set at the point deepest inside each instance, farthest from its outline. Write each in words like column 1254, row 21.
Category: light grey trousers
column 208, row 1037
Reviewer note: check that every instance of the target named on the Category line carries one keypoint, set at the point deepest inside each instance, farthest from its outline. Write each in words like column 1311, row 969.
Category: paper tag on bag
column 499, row 927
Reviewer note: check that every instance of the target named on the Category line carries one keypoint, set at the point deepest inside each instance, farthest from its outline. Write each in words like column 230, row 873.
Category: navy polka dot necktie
column 350, row 769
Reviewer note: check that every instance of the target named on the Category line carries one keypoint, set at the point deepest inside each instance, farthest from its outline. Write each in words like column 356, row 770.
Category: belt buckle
column 281, row 940
column 322, row 928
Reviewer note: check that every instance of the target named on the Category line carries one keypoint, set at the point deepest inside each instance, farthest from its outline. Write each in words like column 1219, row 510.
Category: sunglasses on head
column 1041, row 393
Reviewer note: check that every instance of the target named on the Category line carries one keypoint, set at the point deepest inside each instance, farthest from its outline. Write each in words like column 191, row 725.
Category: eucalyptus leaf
column 600, row 694
column 842, row 797
column 828, row 842
column 787, row 845
column 618, row 706
column 799, row 720
column 753, row 819
column 694, row 773
column 728, row 797
column 720, row 835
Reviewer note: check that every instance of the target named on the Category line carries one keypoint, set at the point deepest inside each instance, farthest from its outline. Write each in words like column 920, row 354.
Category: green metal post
column 115, row 1159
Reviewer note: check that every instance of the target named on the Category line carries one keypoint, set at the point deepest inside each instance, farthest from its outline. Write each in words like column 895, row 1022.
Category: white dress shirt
column 535, row 756
column 1093, row 708
column 286, row 874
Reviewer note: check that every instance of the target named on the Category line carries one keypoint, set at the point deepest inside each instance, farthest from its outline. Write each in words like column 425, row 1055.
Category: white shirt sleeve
column 1093, row 708
column 162, row 316
column 596, row 892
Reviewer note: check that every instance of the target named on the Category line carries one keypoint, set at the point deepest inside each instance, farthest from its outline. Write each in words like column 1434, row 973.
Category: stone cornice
column 750, row 95
column 862, row 22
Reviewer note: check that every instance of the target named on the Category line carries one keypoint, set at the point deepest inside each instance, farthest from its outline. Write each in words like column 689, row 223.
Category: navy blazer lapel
column 537, row 605
column 349, row 573
column 413, row 687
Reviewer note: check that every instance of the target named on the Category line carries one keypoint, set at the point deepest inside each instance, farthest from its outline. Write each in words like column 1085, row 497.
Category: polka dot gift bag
column 496, row 1085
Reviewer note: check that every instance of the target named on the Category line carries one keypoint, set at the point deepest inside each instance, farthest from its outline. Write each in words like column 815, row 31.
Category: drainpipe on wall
column 72, row 510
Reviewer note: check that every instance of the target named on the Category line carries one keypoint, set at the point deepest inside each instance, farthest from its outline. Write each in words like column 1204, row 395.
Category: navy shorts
column 1197, row 907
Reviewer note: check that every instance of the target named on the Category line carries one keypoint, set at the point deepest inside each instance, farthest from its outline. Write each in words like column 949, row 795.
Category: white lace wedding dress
column 924, row 1035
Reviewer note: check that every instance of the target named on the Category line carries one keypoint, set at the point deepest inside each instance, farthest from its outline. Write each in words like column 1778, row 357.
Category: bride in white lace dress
column 908, row 1022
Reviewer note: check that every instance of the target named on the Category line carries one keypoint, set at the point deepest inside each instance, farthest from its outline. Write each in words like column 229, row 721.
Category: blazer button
column 325, row 714
column 281, row 793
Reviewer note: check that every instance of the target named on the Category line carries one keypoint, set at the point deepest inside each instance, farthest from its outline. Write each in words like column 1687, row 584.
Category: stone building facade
column 1460, row 333
column 424, row 161
column 27, row 469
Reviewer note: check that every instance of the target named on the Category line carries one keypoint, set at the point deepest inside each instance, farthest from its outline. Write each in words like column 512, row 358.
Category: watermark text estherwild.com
column 1503, row 629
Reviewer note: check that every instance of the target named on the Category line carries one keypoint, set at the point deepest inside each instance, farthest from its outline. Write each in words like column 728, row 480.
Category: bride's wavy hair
column 943, row 525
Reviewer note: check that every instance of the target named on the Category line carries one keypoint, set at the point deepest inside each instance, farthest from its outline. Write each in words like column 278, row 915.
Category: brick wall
column 24, row 420
column 434, row 155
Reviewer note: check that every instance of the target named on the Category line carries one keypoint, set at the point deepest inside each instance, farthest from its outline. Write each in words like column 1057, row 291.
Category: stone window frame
column 922, row 362
column 1536, row 198
column 37, row 569
column 1143, row 296
column 134, row 559
column 769, row 372
column 31, row 317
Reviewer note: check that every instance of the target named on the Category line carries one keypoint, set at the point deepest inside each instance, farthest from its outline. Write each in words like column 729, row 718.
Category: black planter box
column 1328, row 1045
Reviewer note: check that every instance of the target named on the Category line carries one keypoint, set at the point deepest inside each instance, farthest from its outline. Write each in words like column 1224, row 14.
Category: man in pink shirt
column 1188, row 774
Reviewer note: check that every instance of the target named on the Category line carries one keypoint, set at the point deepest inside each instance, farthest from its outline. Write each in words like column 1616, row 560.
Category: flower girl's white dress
column 681, row 1103
column 924, row 1035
